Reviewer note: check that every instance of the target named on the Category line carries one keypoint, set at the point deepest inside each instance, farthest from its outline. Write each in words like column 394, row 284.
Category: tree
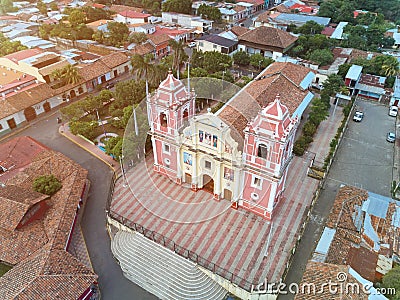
column 72, row 112
column 333, row 84
column 53, row 6
column 138, row 38
column 318, row 112
column 128, row 93
column 321, row 56
column 310, row 27
column 47, row 184
column 7, row 47
column 99, row 36
column 259, row 61
column 7, row 6
column 209, row 12
column 84, row 128
column 142, row 66
column 179, row 54
column 343, row 69
column 390, row 66
column 113, row 146
column 392, row 280
column 241, row 58
column 71, row 75
column 76, row 17
column 94, row 14
column 118, row 33
column 42, row 7
column 214, row 61
column 179, row 6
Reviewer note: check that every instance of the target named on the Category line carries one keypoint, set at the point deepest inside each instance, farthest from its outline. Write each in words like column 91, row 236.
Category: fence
column 171, row 245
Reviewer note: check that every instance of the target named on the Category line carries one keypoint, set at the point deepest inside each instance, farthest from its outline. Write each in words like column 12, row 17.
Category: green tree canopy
column 8, row 47
column 259, row 61
column 42, row 7
column 241, row 58
column 310, row 27
column 128, row 93
column 392, row 280
column 76, row 17
column 209, row 12
column 118, row 34
column 113, row 146
column 138, row 37
column 179, row 6
column 7, row 6
column 47, row 184
column 84, row 128
column 321, row 56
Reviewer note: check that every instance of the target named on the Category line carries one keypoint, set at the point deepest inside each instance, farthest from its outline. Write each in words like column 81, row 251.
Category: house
column 36, row 229
column 259, row 121
column 395, row 99
column 338, row 32
column 146, row 28
column 216, row 43
column 189, row 21
column 268, row 41
column 258, row 5
column 98, row 25
column 395, row 34
column 160, row 44
column 365, row 85
column 28, row 87
column 282, row 20
column 131, row 17
column 176, row 33
column 36, row 42
column 359, row 239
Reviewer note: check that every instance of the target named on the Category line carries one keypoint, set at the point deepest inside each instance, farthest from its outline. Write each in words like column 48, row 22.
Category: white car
column 358, row 116
column 393, row 110
column 192, row 44
column 391, row 137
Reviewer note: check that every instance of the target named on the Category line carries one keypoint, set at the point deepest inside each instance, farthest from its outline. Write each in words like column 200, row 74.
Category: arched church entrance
column 208, row 184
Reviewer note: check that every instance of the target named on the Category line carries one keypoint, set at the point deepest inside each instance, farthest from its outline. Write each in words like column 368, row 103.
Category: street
column 364, row 159
column 113, row 285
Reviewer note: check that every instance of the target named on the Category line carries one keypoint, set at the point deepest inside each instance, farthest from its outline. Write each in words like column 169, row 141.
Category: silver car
column 391, row 137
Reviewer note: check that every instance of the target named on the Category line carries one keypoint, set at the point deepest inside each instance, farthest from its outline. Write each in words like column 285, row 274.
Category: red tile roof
column 302, row 8
column 268, row 37
column 279, row 78
column 316, row 278
column 133, row 14
column 159, row 39
column 42, row 268
column 20, row 55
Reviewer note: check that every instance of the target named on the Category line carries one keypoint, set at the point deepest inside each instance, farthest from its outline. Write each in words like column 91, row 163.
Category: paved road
column 113, row 285
column 364, row 159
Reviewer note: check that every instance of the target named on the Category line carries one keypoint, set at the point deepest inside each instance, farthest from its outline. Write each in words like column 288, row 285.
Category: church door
column 227, row 194
column 208, row 184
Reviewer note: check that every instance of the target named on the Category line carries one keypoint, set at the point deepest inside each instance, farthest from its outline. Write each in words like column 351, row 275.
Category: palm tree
column 390, row 66
column 179, row 54
column 71, row 74
column 142, row 66
column 57, row 74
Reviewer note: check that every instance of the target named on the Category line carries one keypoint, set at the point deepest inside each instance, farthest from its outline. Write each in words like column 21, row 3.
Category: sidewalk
column 91, row 148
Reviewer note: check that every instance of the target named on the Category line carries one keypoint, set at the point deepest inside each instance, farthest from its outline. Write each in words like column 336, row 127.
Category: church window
column 166, row 148
column 163, row 120
column 207, row 164
column 257, row 182
column 262, row 151
column 167, row 162
column 185, row 114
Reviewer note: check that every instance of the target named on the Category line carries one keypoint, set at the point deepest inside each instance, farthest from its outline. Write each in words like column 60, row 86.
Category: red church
column 241, row 153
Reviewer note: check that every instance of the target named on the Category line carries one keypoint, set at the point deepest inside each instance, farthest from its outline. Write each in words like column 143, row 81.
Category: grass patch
column 4, row 269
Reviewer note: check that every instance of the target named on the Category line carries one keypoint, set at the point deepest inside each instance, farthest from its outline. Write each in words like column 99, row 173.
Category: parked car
column 110, row 85
column 317, row 86
column 393, row 110
column 391, row 137
column 358, row 116
column 192, row 44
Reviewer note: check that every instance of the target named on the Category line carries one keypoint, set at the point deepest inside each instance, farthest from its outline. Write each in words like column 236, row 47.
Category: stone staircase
column 161, row 271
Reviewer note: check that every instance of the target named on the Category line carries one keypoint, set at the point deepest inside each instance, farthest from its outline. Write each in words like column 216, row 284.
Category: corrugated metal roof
column 370, row 232
column 293, row 18
column 325, row 241
column 354, row 72
column 338, row 33
column 376, row 205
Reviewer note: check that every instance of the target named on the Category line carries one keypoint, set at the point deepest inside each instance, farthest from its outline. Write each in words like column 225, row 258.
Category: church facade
column 240, row 154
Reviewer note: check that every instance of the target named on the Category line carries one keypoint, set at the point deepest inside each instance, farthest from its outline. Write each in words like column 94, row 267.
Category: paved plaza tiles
column 233, row 240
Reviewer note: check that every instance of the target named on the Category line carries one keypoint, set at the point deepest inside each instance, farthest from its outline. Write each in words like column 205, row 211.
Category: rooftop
column 268, row 36
column 218, row 40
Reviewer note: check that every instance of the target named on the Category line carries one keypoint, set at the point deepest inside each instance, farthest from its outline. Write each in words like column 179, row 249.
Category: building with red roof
column 131, row 17
column 242, row 152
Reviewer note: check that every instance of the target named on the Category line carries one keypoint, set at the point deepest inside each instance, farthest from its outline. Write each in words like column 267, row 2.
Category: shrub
column 47, row 184
column 309, row 129
column 298, row 148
